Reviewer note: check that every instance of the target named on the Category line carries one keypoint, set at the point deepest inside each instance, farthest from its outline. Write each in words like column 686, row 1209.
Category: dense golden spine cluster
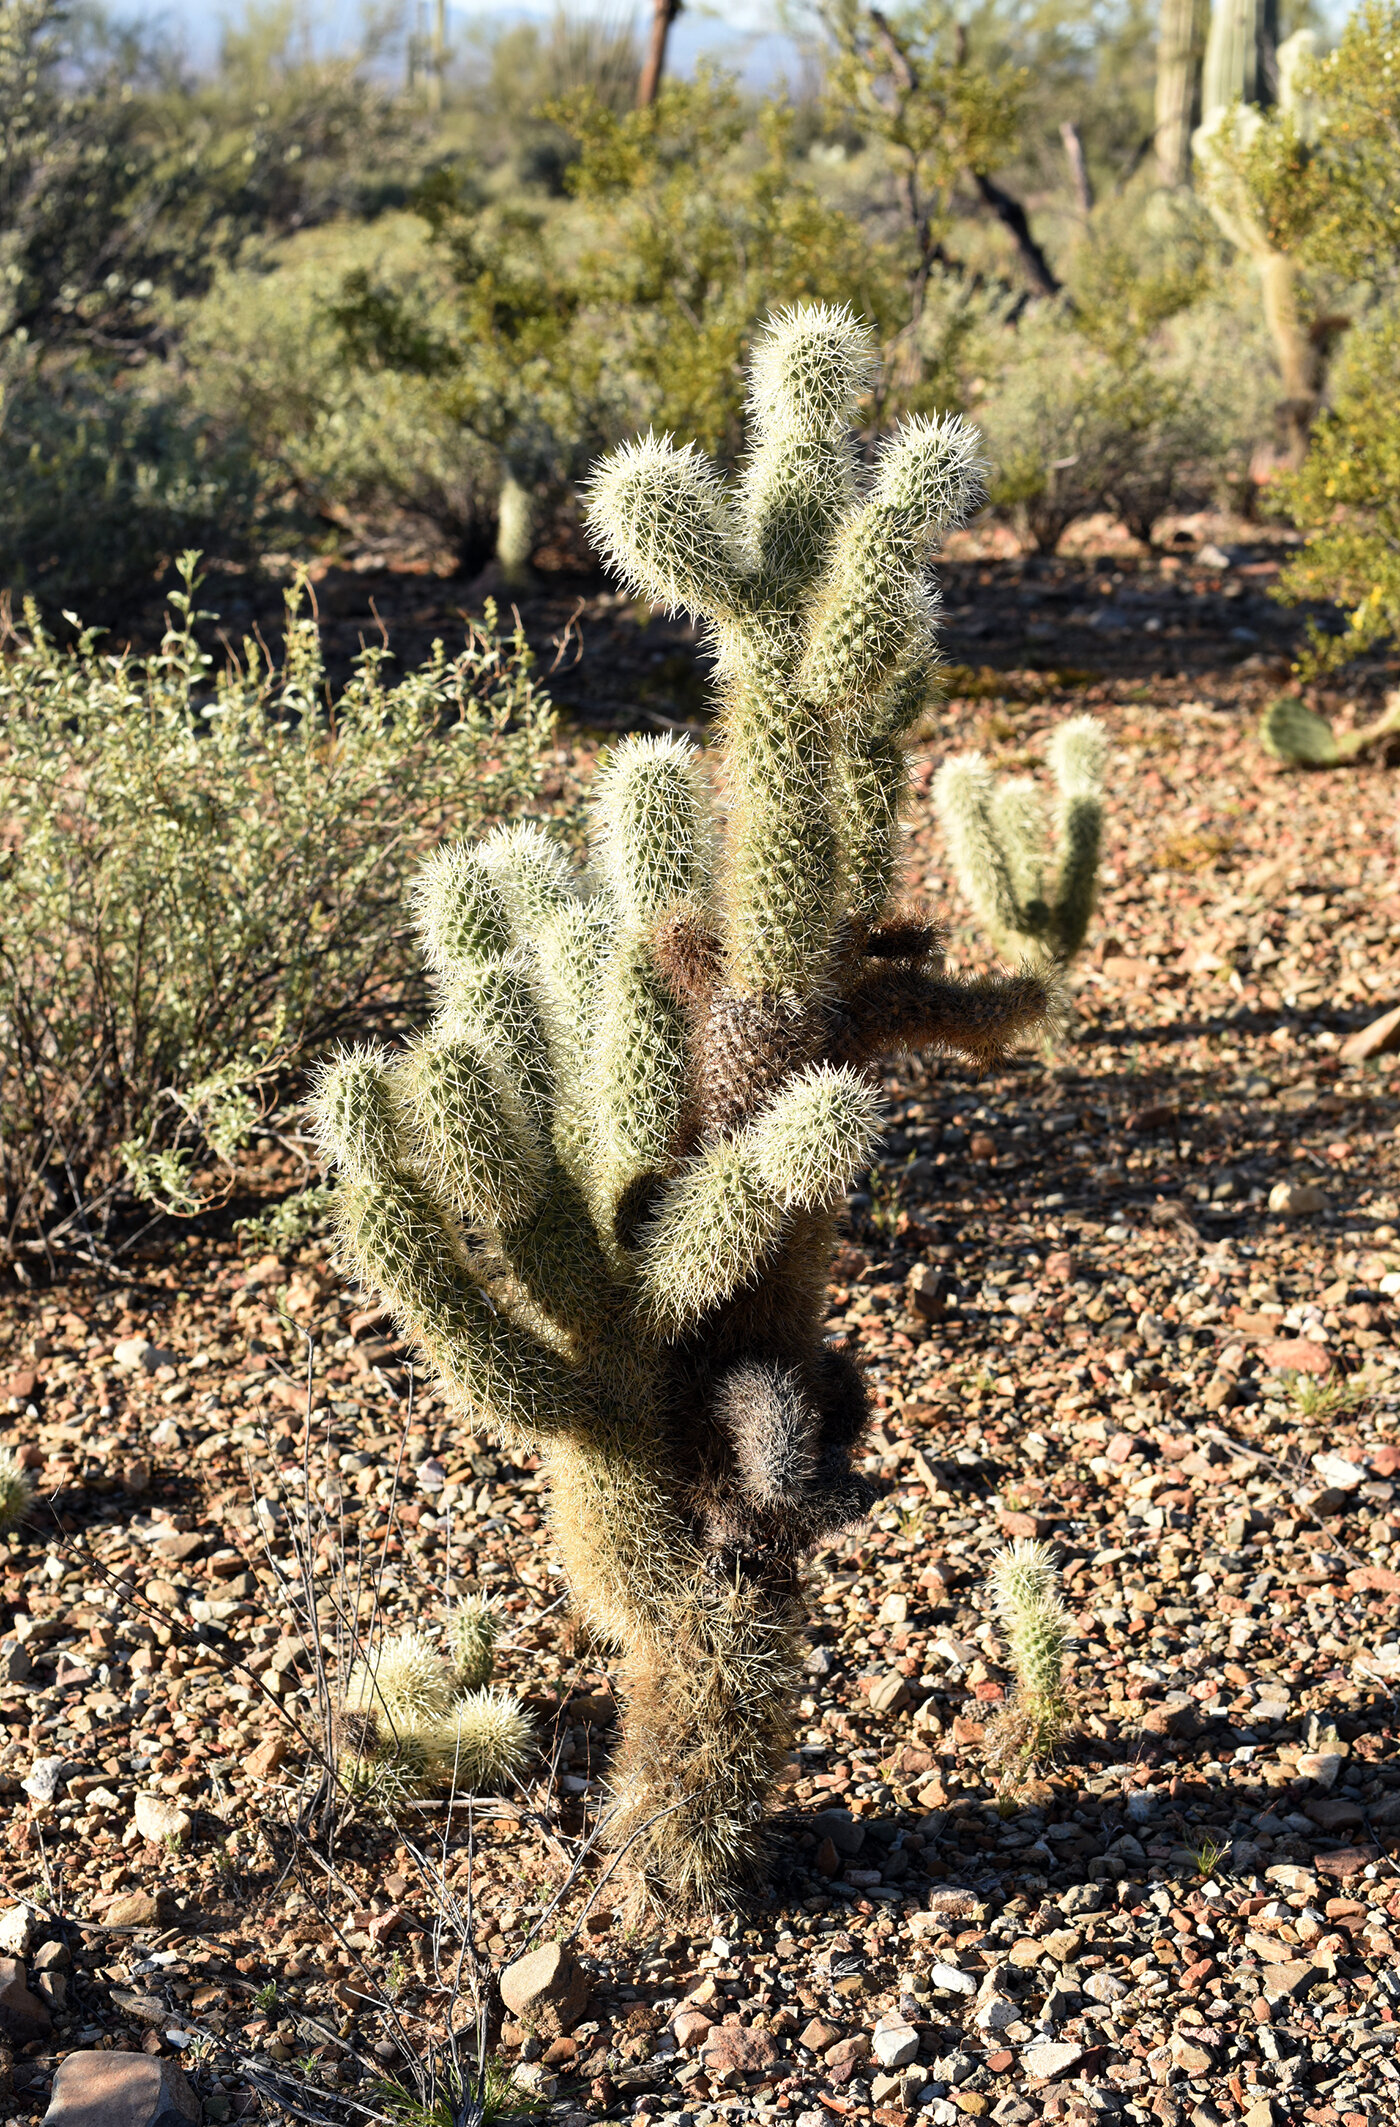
column 600, row 1190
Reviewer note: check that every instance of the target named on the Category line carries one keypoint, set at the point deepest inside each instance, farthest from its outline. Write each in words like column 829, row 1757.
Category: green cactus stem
column 998, row 843
column 1293, row 733
column 600, row 1192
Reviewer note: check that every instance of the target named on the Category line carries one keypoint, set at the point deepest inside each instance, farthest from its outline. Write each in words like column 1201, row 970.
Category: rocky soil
column 1134, row 1294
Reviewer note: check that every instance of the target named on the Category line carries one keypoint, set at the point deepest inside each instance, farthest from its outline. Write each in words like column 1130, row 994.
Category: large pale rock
column 120, row 2090
column 547, row 1989
column 1297, row 1199
column 896, row 2042
column 158, row 1818
column 1049, row 2061
column 138, row 1909
column 22, row 2015
column 1380, row 1038
column 17, row 1930
column 731, row 2051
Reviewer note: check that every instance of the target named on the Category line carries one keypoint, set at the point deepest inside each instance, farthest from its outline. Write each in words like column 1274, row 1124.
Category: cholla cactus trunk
column 999, row 844
column 600, row 1190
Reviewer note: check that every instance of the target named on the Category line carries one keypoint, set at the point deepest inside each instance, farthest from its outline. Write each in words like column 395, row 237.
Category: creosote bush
column 997, row 840
column 600, row 1191
column 196, row 892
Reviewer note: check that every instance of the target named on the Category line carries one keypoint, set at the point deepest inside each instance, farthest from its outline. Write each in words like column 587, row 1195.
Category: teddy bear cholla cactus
column 600, row 1190
column 414, row 1721
column 996, row 836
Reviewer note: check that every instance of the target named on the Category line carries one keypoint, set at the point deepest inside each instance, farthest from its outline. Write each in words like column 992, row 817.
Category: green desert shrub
column 1346, row 500
column 197, row 889
column 1071, row 428
column 104, row 483
column 370, row 451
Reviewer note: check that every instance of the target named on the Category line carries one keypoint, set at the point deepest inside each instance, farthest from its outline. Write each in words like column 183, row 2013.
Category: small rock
column 264, row 1761
column 1380, row 1038
column 855, row 2048
column 732, row 2050
column 431, row 1475
column 43, row 1781
column 846, row 1833
column 1175, row 1715
column 928, row 1292
column 137, row 1909
column 17, row 1930
column 895, row 2043
column 1295, row 1355
column 546, row 1989
column 15, row 1664
column 888, row 1694
column 1336, row 1470
column 818, row 2036
column 157, row 1819
column 120, row 2090
column 1297, row 1199
column 22, row 2015
column 1051, row 2060
column 1190, row 2055
column 949, row 1980
column 143, row 2008
column 690, row 2026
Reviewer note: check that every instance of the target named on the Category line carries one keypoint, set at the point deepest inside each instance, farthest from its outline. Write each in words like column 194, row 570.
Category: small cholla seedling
column 1292, row 732
column 410, row 1727
column 997, row 840
column 472, row 1634
column 16, row 1491
column 600, row 1191
column 485, row 1741
column 1025, row 1587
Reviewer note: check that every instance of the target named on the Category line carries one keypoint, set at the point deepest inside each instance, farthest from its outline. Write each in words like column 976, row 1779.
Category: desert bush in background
column 197, row 886
column 103, row 484
column 367, row 452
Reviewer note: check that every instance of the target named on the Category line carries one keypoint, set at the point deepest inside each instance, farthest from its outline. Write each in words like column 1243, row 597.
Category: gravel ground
column 1109, row 1340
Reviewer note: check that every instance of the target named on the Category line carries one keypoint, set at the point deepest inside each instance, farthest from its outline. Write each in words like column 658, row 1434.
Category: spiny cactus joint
column 997, row 840
column 601, row 1192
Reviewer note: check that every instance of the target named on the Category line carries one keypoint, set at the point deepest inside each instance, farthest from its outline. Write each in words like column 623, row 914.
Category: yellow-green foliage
column 413, row 1721
column 1346, row 499
column 197, row 892
column 619, row 1259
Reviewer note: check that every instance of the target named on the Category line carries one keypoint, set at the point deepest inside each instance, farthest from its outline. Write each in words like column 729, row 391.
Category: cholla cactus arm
column 713, row 1227
column 652, row 843
column 1025, row 1588
column 996, row 840
column 808, row 371
column 963, row 791
column 661, row 515
column 875, row 605
column 624, row 1255
column 1078, row 755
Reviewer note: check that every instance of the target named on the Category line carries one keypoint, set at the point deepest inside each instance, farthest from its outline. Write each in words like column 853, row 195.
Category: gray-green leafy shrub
column 104, row 482
column 1071, row 430
column 371, row 452
column 203, row 880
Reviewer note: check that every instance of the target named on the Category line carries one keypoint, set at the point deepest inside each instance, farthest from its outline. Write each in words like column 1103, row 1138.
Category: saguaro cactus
column 997, row 840
column 600, row 1190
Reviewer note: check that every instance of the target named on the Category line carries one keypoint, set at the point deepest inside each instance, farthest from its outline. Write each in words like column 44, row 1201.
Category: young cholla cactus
column 472, row 1634
column 413, row 1724
column 600, row 1190
column 16, row 1491
column 997, row 841
column 1025, row 1587
column 1292, row 732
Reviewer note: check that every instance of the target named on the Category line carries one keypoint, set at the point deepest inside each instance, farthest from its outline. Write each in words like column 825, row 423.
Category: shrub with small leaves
column 195, row 893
